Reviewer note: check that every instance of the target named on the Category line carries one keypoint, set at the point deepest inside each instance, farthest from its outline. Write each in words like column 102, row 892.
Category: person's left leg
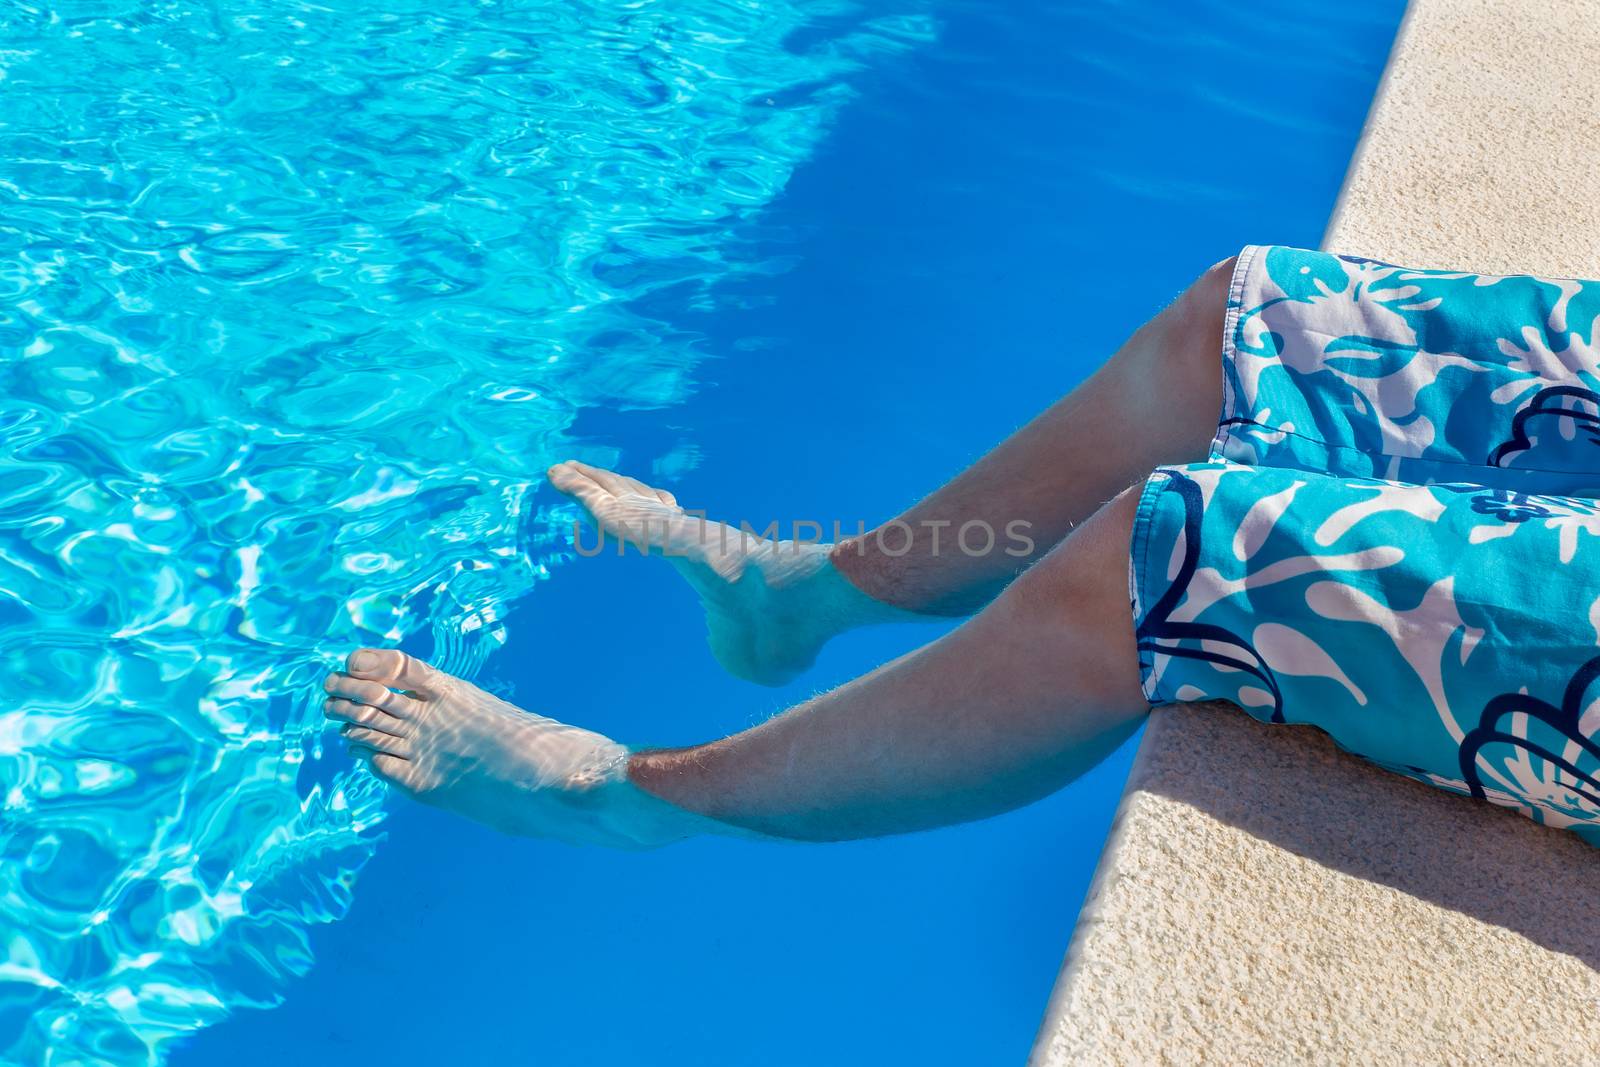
column 1016, row 702
column 770, row 606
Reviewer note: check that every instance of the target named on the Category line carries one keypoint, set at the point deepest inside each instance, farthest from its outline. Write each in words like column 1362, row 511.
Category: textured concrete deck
column 1264, row 898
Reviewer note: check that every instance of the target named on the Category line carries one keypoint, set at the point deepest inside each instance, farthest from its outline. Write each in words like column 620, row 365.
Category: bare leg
column 770, row 606
column 1005, row 709
column 1156, row 401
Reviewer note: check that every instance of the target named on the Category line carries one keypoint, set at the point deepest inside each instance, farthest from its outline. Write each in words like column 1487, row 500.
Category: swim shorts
column 1397, row 536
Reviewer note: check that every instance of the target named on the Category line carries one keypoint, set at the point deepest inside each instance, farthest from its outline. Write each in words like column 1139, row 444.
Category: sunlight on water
column 296, row 301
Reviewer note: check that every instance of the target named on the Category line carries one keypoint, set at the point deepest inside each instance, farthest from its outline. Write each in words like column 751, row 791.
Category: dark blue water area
column 988, row 219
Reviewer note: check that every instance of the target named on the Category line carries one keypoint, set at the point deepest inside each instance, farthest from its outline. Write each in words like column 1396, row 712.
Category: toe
column 649, row 492
column 610, row 481
column 376, row 694
column 385, row 766
column 393, row 668
column 391, row 769
column 608, row 506
column 592, row 495
column 341, row 710
column 596, row 488
column 567, row 477
column 375, row 740
column 621, row 485
column 589, row 493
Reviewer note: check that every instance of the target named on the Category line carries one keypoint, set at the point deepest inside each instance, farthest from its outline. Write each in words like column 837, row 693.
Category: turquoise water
column 295, row 303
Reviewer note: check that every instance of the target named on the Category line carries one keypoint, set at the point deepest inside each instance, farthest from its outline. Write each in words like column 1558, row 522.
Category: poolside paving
column 1266, row 898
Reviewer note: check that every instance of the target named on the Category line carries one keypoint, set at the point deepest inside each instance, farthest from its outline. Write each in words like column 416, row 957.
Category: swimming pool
column 296, row 303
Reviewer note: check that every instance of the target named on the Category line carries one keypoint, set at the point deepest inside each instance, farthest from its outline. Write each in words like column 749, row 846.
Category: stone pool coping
column 1263, row 897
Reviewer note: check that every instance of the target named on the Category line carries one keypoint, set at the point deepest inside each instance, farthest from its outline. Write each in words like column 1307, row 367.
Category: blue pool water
column 295, row 302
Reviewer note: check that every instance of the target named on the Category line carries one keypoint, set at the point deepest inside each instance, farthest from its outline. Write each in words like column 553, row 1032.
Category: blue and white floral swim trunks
column 1397, row 536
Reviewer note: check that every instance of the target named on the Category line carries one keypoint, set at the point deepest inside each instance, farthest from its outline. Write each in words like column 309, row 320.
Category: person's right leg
column 770, row 606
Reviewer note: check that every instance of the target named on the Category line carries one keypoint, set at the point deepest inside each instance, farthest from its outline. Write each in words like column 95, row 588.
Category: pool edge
column 1264, row 898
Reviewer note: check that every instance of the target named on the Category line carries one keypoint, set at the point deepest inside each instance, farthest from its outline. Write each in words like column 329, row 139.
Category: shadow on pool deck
column 1303, row 794
column 1268, row 898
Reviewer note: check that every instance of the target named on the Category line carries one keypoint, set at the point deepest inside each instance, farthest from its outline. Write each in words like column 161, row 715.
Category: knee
column 1192, row 325
column 1207, row 296
column 1087, row 573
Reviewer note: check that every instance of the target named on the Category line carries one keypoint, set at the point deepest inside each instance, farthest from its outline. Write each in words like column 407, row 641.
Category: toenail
column 364, row 661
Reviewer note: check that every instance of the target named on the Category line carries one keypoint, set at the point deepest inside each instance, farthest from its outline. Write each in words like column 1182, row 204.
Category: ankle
column 878, row 587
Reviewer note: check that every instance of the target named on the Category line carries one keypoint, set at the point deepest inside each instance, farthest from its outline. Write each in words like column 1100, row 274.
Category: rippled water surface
column 295, row 301
column 298, row 299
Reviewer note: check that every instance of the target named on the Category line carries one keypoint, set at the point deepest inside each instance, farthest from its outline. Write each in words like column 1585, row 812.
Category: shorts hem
column 1144, row 521
column 1230, row 347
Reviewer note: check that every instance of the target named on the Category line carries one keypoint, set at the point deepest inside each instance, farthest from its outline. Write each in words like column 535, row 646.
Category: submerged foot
column 448, row 743
column 770, row 606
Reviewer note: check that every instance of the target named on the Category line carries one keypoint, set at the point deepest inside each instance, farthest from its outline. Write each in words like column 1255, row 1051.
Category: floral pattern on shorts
column 1396, row 538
